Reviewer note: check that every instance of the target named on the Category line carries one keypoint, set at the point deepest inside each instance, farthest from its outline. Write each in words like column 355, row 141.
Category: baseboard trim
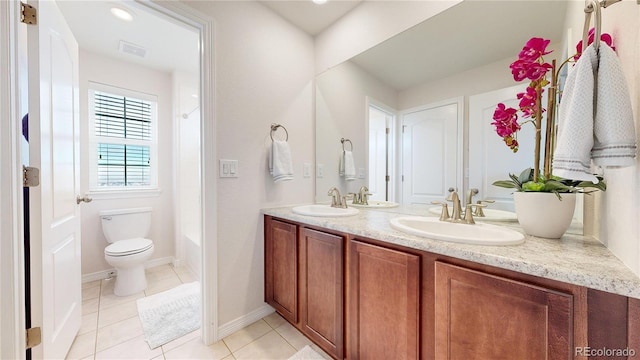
column 243, row 321
column 105, row 274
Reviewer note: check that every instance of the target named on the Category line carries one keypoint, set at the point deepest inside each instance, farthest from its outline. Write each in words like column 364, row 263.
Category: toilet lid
column 128, row 247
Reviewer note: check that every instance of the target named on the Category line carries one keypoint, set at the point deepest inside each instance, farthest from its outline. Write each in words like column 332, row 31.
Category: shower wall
column 188, row 211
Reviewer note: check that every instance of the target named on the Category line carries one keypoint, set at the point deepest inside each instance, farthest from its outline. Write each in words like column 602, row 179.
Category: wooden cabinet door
column 321, row 289
column 281, row 268
column 384, row 296
column 481, row 316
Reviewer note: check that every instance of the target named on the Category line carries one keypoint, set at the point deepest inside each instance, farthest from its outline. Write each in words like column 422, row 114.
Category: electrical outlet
column 361, row 173
column 320, row 171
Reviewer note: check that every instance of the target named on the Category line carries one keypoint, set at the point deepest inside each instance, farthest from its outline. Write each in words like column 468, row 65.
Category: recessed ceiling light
column 319, row 2
column 121, row 14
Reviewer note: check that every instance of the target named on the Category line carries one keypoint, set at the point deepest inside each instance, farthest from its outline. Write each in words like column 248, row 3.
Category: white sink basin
column 478, row 234
column 490, row 214
column 324, row 210
column 375, row 204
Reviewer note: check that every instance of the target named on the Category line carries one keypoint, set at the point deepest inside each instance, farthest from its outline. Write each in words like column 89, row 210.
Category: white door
column 431, row 151
column 54, row 214
column 489, row 158
column 379, row 160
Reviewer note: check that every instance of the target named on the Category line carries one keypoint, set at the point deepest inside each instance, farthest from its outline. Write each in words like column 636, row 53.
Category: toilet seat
column 128, row 247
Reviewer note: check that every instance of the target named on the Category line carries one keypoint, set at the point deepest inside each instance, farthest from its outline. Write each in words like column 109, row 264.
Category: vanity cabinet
column 481, row 316
column 404, row 303
column 304, row 281
column 384, row 303
column 281, row 268
column 321, row 289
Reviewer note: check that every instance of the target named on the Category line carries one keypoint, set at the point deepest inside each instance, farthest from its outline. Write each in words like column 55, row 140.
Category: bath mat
column 306, row 353
column 170, row 314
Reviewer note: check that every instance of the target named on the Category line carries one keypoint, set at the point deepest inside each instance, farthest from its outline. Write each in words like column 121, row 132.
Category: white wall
column 620, row 206
column 341, row 111
column 188, row 172
column 264, row 74
column 369, row 24
column 113, row 72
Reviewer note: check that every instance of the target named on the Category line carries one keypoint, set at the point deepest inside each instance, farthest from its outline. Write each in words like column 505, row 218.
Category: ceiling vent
column 132, row 49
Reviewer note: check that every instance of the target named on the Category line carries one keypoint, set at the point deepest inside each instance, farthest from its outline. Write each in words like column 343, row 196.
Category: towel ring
column 593, row 6
column 343, row 140
column 275, row 127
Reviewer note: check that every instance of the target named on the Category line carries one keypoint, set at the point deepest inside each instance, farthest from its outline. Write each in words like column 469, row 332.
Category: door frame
column 12, row 313
column 208, row 154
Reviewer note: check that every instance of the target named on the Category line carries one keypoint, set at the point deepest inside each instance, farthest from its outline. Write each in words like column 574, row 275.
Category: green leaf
column 556, row 186
column 601, row 185
column 525, row 176
column 506, row 184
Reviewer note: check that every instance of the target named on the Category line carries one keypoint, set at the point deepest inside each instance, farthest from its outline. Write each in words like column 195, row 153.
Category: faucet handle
column 344, row 200
column 468, row 212
column 364, row 198
column 479, row 206
column 444, row 215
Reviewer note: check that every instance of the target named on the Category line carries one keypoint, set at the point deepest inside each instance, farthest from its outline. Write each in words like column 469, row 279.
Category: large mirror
column 435, row 69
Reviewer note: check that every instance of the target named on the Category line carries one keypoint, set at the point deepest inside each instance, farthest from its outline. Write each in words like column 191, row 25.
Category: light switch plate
column 361, row 173
column 320, row 171
column 228, row 168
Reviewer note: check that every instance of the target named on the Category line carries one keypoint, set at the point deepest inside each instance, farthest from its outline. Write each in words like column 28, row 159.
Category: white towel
column 595, row 119
column 614, row 130
column 572, row 156
column 347, row 166
column 280, row 164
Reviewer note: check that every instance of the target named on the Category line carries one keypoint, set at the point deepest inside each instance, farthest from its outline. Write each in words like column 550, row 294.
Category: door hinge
column 28, row 14
column 30, row 176
column 387, row 178
column 34, row 337
column 403, row 127
column 386, row 130
column 403, row 178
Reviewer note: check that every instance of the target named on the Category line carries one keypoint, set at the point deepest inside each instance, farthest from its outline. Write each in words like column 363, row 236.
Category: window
column 124, row 141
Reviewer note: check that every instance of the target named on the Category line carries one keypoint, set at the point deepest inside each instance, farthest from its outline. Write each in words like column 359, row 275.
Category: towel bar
column 275, row 127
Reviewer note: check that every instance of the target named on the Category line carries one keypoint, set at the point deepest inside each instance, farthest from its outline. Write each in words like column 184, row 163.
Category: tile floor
column 111, row 328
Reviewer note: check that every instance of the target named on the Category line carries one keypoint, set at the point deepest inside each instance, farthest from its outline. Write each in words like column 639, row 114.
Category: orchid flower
column 534, row 49
column 505, row 120
column 528, row 101
column 604, row 37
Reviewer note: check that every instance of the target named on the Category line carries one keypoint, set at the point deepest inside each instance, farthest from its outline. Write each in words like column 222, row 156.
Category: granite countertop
column 573, row 259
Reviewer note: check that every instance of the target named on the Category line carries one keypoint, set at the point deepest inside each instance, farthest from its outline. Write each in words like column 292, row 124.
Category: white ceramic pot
column 543, row 214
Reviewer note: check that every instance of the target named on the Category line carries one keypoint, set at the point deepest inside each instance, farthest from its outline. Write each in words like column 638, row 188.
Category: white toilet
column 126, row 231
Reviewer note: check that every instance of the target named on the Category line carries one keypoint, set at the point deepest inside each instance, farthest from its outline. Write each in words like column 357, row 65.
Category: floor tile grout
column 164, row 275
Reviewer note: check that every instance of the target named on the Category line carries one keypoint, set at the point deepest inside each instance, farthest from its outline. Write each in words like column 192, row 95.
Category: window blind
column 121, row 119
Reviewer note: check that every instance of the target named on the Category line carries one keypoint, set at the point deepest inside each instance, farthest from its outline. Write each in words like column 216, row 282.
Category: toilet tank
column 122, row 224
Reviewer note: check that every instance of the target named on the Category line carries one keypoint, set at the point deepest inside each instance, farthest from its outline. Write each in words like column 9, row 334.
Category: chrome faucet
column 470, row 195
column 362, row 196
column 456, row 212
column 336, row 199
column 456, row 215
